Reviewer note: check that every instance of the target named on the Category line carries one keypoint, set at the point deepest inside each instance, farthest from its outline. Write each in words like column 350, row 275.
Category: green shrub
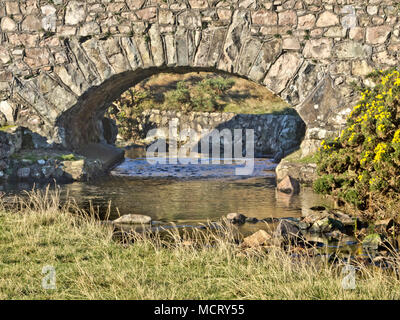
column 204, row 96
column 364, row 160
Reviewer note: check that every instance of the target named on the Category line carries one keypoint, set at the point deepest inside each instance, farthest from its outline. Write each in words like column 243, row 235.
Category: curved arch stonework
column 62, row 62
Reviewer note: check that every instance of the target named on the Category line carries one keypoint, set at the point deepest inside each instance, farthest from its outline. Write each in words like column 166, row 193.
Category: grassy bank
column 90, row 264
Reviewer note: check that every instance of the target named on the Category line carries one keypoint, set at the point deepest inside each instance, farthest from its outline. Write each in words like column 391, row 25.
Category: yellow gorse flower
column 380, row 150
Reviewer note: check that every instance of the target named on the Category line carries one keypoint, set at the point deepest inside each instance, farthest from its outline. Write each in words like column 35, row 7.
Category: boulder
column 289, row 185
column 133, row 219
column 372, row 241
column 257, row 239
column 287, row 230
column 326, row 224
column 236, row 218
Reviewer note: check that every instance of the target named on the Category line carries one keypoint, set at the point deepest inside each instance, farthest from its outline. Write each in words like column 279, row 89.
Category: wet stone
column 133, row 219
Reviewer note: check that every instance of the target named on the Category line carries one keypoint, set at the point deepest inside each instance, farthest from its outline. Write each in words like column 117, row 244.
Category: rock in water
column 287, row 230
column 236, row 218
column 133, row 219
column 259, row 238
column 289, row 185
column 372, row 241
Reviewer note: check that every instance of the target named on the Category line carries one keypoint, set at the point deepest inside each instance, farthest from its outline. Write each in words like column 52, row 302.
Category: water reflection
column 187, row 193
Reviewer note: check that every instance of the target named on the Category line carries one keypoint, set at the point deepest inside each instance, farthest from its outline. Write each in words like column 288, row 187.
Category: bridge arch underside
column 83, row 123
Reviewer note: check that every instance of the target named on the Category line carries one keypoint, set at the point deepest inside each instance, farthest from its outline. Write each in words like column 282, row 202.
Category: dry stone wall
column 274, row 135
column 63, row 61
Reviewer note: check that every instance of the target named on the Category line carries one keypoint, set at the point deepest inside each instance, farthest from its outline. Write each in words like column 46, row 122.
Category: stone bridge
column 63, row 62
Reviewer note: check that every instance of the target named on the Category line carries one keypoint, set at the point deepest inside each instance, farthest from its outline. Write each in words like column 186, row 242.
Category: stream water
column 191, row 194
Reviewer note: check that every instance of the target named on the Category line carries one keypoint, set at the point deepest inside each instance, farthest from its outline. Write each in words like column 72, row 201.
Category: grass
column 91, row 264
column 245, row 97
column 296, row 157
column 35, row 155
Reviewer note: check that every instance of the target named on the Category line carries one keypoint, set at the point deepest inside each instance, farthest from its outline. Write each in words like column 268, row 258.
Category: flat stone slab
column 133, row 219
column 108, row 155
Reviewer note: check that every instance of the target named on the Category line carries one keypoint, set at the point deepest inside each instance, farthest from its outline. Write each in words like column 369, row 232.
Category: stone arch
column 56, row 58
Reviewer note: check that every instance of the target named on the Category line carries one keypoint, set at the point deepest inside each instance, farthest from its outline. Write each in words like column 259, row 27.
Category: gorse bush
column 364, row 161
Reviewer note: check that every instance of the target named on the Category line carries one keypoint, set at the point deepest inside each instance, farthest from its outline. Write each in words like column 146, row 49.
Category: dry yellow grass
column 244, row 97
column 90, row 264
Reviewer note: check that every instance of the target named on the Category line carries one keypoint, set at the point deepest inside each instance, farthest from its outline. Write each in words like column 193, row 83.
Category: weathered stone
column 268, row 53
column 335, row 32
column 249, row 54
column 75, row 170
column 361, row 68
column 156, row 45
column 135, row 4
column 75, row 12
column 282, row 71
column 357, row 34
column 224, row 14
column 325, row 99
column 306, row 22
column 49, row 20
column 289, row 185
column 8, row 24
column 147, row 14
column 37, row 57
column 377, row 35
column 257, row 239
column 291, row 44
column 12, row 8
column 318, row 48
column 264, row 17
column 4, row 55
column 239, row 28
column 198, row 4
column 165, row 17
column 90, row 28
column 383, row 58
column 287, row 18
column 327, row 19
column 31, row 23
column 96, row 53
column 351, row 49
column 133, row 219
column 8, row 111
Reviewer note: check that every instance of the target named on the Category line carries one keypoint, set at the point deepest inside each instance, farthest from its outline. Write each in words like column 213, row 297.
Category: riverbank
column 91, row 264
